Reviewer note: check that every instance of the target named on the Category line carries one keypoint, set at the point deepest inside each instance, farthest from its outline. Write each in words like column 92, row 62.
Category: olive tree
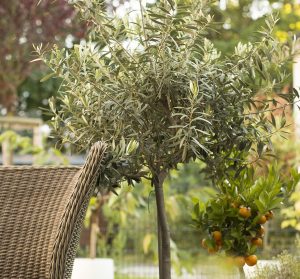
column 159, row 93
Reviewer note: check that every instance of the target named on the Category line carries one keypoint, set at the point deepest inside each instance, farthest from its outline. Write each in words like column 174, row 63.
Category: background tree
column 22, row 24
column 161, row 94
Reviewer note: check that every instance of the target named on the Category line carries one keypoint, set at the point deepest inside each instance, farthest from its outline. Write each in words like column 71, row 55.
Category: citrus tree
column 157, row 90
column 234, row 220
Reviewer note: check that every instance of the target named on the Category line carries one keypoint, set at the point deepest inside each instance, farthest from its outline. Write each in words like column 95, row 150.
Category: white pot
column 93, row 268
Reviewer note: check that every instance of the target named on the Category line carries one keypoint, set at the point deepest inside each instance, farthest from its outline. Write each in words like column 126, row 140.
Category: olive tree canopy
column 158, row 83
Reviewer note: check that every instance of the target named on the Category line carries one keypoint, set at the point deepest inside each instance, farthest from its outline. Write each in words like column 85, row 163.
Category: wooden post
column 37, row 140
column 37, row 137
column 7, row 155
column 94, row 233
column 296, row 110
column 266, row 237
column 296, row 85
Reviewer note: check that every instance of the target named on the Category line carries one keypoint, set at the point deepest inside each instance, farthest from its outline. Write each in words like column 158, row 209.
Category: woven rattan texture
column 41, row 210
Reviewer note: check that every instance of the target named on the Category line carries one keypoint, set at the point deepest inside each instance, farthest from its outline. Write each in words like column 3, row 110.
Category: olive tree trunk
column 163, row 231
column 94, row 233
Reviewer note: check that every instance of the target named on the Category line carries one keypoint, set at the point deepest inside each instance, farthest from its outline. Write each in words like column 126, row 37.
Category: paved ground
column 205, row 272
column 151, row 271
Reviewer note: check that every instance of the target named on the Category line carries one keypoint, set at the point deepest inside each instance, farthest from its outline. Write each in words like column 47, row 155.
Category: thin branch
column 143, row 22
column 269, row 110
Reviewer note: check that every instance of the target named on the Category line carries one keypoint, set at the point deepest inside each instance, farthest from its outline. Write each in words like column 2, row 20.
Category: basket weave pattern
column 41, row 213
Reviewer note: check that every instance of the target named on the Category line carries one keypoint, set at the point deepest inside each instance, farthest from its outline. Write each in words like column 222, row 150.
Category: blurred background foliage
column 23, row 145
column 22, row 24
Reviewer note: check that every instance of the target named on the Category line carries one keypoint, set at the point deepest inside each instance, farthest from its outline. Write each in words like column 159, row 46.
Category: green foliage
column 17, row 142
column 23, row 145
column 291, row 213
column 287, row 156
column 225, row 212
column 158, row 82
column 188, row 178
column 33, row 95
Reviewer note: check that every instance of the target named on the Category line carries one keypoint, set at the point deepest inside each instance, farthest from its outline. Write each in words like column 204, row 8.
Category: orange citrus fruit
column 245, row 212
column 262, row 219
column 257, row 241
column 217, row 235
column 251, row 260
